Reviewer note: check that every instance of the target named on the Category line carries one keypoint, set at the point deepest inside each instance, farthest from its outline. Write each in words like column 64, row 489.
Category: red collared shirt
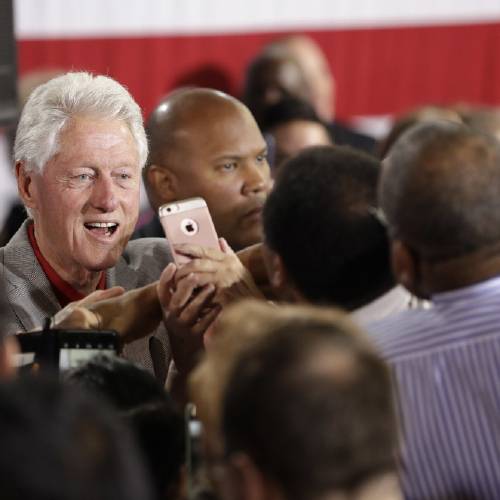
column 64, row 292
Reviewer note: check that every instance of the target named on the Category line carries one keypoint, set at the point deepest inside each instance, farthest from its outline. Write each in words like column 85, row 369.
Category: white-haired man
column 79, row 150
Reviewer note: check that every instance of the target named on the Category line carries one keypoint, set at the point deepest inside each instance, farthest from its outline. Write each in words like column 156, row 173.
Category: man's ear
column 276, row 272
column 25, row 185
column 247, row 481
column 404, row 266
column 162, row 183
column 279, row 278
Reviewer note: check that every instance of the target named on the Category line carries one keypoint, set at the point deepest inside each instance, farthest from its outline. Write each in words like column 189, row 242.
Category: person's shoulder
column 345, row 136
column 152, row 229
column 147, row 249
column 397, row 334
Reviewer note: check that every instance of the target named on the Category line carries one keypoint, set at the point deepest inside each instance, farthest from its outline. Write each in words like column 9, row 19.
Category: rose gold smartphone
column 188, row 221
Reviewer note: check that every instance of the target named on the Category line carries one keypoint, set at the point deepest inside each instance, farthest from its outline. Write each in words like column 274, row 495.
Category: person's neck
column 81, row 279
column 385, row 485
column 460, row 272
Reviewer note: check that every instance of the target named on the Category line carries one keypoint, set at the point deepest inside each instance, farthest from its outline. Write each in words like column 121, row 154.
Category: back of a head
column 440, row 190
column 320, row 219
column 315, row 68
column 408, row 120
column 316, row 388
column 60, row 444
column 294, row 125
column 270, row 77
column 145, row 406
column 484, row 120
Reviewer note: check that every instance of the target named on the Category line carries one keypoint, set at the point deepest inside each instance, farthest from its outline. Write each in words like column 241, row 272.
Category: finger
column 193, row 311
column 203, row 324
column 182, row 294
column 224, row 246
column 165, row 284
column 198, row 266
column 79, row 317
column 99, row 295
column 198, row 252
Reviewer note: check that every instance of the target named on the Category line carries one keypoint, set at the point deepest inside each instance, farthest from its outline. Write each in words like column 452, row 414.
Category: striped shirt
column 446, row 366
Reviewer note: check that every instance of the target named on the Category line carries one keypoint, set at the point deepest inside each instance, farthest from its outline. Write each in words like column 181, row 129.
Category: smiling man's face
column 85, row 202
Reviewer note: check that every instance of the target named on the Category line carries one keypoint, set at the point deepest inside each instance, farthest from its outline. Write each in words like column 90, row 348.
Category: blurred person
column 307, row 413
column 253, row 321
column 482, row 119
column 147, row 409
column 323, row 240
column 439, row 191
column 317, row 85
column 293, row 125
column 408, row 120
column 205, row 143
column 79, row 149
column 208, row 380
column 61, row 444
column 270, row 77
column 316, row 70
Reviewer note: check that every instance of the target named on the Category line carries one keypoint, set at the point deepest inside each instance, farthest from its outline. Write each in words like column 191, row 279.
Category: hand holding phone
column 188, row 222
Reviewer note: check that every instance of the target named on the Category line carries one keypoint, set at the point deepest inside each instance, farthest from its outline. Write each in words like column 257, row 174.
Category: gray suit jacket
column 31, row 298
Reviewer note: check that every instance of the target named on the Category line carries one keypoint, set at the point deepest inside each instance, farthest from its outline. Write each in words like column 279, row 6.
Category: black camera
column 64, row 349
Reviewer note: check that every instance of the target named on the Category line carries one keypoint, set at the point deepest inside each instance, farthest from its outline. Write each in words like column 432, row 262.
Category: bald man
column 206, row 143
column 317, row 84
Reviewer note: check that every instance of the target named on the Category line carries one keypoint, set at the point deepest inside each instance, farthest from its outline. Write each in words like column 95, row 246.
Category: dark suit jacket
column 31, row 298
column 344, row 136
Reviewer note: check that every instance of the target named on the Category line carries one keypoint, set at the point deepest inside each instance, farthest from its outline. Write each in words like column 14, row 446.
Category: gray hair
column 52, row 104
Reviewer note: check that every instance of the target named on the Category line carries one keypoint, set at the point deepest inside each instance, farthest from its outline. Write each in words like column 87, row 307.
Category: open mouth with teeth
column 102, row 228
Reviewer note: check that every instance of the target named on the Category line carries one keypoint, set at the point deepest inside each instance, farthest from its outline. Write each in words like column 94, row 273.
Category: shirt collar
column 490, row 286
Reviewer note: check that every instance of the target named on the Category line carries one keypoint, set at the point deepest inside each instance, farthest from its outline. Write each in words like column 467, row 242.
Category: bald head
column 179, row 117
column 440, row 190
column 206, row 143
column 314, row 65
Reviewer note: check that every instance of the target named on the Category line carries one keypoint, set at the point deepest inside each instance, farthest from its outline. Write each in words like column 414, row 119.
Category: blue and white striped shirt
column 446, row 365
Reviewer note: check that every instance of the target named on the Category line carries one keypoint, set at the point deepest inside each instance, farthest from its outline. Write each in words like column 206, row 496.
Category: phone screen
column 72, row 358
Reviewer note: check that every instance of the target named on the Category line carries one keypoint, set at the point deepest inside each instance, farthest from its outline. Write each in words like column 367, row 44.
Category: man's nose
column 257, row 177
column 104, row 194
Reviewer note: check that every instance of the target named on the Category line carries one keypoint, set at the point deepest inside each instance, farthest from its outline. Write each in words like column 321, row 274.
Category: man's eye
column 228, row 166
column 83, row 177
column 262, row 158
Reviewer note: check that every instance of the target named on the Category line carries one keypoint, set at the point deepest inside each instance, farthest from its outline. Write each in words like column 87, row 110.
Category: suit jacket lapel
column 29, row 291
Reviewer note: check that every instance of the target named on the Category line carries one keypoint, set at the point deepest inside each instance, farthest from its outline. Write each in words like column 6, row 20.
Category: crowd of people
column 340, row 343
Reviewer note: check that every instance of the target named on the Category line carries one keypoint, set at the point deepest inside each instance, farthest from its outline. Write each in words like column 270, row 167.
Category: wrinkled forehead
column 98, row 139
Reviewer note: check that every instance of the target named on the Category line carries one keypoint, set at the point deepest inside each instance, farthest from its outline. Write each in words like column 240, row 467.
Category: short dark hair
column 286, row 110
column 61, row 444
column 146, row 407
column 440, row 190
column 318, row 391
column 321, row 220
column 272, row 70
